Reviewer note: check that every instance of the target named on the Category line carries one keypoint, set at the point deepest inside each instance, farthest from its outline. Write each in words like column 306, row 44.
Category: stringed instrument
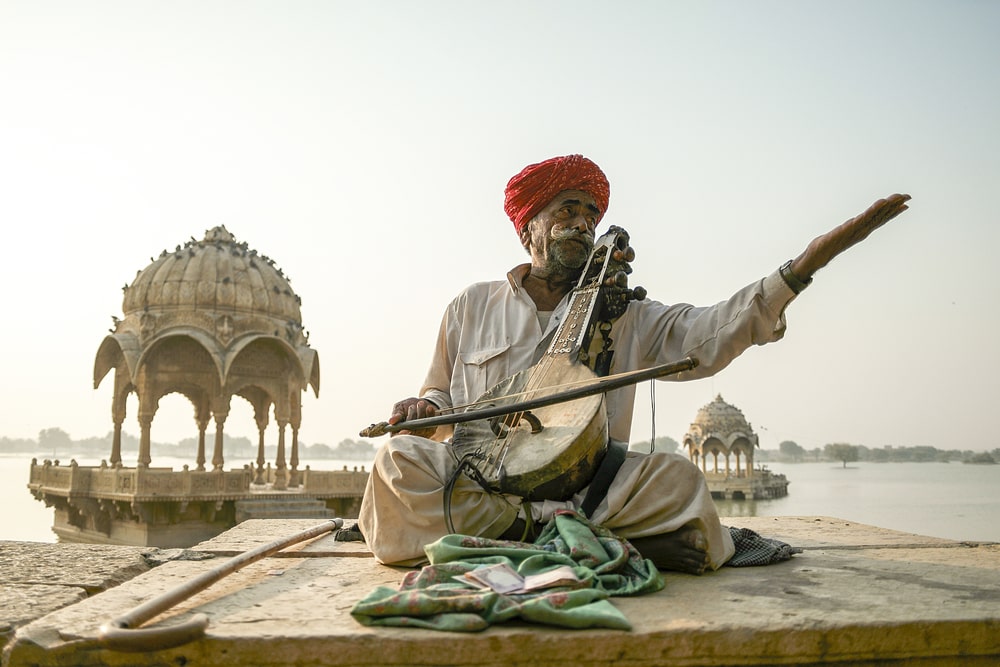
column 553, row 451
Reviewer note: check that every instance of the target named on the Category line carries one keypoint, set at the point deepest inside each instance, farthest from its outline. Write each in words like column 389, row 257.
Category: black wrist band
column 792, row 280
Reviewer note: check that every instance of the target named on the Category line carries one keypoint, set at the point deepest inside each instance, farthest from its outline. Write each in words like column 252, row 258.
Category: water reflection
column 738, row 507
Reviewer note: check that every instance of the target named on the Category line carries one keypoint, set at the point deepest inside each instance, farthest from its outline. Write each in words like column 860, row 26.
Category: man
column 659, row 502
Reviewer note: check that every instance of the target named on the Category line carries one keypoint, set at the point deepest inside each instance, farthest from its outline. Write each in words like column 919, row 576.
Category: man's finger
column 889, row 212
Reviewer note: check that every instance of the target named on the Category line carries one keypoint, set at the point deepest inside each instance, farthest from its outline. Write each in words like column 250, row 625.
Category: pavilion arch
column 173, row 363
column 261, row 345
column 742, row 448
column 116, row 350
column 310, row 365
column 154, row 347
column 712, row 448
column 693, row 448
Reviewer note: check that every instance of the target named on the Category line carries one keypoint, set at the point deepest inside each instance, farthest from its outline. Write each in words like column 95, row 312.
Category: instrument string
column 529, row 393
column 505, row 433
column 563, row 343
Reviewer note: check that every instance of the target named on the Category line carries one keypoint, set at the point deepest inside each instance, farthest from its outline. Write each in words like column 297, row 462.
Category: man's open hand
column 824, row 248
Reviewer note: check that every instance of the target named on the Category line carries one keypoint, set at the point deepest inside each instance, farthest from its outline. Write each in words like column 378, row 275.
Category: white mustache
column 566, row 234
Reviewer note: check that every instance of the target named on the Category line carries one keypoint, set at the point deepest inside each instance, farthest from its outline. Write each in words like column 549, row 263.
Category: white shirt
column 491, row 330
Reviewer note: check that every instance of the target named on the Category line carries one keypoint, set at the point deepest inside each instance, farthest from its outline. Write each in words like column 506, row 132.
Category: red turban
column 537, row 185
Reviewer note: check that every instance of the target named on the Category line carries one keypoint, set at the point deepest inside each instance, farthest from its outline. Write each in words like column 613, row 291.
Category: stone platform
column 857, row 595
column 166, row 508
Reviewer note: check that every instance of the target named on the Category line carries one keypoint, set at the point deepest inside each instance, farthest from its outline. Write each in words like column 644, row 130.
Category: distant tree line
column 55, row 443
column 661, row 444
column 791, row 452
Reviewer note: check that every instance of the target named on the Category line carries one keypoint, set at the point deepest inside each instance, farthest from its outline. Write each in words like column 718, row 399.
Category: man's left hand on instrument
column 410, row 409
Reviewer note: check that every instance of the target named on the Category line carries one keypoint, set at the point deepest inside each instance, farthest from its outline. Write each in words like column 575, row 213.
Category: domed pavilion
column 720, row 430
column 211, row 320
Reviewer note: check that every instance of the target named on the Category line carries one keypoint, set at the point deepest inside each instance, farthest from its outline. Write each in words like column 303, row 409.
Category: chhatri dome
column 202, row 279
column 210, row 320
column 722, row 419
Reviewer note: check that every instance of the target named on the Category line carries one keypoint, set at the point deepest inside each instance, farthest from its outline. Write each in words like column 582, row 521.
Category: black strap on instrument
column 614, row 456
column 449, row 488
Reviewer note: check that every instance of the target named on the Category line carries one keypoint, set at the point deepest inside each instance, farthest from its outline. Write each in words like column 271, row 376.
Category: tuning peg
column 624, row 255
column 620, row 279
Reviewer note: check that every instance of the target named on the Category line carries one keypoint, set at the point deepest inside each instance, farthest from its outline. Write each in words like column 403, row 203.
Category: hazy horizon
column 130, row 444
column 365, row 147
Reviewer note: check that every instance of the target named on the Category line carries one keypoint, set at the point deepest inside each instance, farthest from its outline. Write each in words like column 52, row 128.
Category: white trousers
column 402, row 509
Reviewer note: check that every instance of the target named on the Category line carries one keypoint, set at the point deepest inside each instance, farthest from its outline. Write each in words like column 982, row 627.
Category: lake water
column 950, row 500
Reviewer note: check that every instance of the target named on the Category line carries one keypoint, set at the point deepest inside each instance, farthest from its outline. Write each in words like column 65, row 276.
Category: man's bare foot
column 684, row 550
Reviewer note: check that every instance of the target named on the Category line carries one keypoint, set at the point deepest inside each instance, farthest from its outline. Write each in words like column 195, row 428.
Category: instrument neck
column 573, row 333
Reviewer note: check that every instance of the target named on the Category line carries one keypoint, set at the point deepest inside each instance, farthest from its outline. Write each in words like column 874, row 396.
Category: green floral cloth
column 432, row 598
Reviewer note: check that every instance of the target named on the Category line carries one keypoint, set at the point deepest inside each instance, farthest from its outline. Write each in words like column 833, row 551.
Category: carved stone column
column 145, row 426
column 116, row 444
column 280, row 469
column 200, row 459
column 218, row 460
column 118, row 417
column 260, row 416
column 118, row 403
column 294, row 477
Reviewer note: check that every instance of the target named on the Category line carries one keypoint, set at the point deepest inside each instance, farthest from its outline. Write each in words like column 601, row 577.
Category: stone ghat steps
column 281, row 508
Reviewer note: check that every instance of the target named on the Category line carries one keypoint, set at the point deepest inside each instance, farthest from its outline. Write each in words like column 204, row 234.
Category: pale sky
column 364, row 146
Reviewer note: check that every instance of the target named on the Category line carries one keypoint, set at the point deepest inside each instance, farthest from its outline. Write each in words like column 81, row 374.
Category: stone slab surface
column 92, row 567
column 37, row 578
column 857, row 595
column 830, row 532
column 22, row 603
column 255, row 533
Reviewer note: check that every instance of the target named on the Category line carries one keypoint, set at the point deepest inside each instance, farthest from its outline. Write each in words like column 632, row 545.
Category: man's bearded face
column 569, row 248
column 562, row 234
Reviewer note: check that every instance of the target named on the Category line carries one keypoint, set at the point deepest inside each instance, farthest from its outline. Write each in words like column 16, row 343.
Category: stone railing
column 334, row 483
column 144, row 484
column 119, row 483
